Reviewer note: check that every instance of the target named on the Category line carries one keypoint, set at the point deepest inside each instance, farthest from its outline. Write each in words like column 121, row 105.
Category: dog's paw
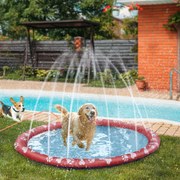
column 74, row 143
column 65, row 143
column 81, row 145
column 17, row 120
column 87, row 148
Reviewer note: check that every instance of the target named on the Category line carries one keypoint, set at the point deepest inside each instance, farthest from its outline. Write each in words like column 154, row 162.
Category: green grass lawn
column 163, row 164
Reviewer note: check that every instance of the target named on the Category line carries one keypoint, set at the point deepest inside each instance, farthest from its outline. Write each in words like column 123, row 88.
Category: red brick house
column 158, row 48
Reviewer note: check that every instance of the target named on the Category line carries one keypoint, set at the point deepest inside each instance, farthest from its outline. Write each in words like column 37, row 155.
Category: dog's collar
column 13, row 108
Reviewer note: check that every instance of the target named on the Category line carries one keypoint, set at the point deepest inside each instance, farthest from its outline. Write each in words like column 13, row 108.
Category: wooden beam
column 92, row 39
column 30, row 47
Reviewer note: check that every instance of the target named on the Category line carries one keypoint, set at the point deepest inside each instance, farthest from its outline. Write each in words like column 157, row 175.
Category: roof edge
column 147, row 2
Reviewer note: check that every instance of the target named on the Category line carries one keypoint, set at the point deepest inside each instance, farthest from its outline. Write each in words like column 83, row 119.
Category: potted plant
column 141, row 83
column 134, row 7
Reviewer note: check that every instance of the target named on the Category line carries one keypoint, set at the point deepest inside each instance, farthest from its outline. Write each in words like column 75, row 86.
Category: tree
column 14, row 12
column 54, row 10
column 100, row 11
column 10, row 16
column 130, row 28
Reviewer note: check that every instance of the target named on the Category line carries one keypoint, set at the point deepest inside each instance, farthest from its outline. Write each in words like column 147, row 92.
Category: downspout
column 178, row 56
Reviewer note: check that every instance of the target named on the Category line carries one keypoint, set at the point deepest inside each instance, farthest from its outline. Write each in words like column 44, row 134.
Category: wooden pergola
column 57, row 25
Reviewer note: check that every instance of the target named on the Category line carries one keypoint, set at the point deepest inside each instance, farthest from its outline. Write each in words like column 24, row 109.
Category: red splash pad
column 153, row 144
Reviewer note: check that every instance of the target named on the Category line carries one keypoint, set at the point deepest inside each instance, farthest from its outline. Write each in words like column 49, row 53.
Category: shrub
column 50, row 74
column 5, row 69
column 4, row 38
column 53, row 74
column 134, row 49
column 129, row 76
column 41, row 74
column 173, row 21
column 106, row 76
column 69, row 41
column 28, row 71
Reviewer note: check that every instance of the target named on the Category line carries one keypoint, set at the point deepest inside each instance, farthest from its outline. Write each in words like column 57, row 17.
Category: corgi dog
column 14, row 111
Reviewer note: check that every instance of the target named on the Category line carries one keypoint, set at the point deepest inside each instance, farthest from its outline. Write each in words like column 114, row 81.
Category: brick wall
column 157, row 47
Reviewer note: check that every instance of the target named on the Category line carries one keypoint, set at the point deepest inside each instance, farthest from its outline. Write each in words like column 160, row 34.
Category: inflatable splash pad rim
column 21, row 146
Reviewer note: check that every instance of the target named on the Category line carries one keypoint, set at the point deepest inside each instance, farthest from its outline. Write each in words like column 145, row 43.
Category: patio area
column 161, row 128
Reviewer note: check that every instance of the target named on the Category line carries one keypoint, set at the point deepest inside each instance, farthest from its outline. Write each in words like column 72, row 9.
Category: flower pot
column 134, row 12
column 141, row 85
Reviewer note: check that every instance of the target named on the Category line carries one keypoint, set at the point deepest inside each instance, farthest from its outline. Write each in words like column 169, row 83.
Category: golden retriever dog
column 81, row 125
column 13, row 111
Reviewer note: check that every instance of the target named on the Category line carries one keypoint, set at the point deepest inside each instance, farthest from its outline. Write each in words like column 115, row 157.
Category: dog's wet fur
column 82, row 125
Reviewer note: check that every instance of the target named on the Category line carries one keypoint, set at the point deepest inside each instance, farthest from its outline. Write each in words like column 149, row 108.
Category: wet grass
column 163, row 164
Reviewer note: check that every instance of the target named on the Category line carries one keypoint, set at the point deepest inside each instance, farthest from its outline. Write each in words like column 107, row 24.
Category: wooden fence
column 47, row 54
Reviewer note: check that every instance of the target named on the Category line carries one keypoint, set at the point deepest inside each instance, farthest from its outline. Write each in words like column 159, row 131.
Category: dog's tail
column 61, row 109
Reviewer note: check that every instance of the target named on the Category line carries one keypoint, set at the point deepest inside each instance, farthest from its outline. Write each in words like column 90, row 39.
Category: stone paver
column 177, row 133
column 41, row 116
column 83, row 88
column 171, row 131
column 156, row 127
column 162, row 130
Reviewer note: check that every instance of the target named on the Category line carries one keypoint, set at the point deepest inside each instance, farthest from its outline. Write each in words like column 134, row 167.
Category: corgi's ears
column 22, row 99
column 12, row 100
